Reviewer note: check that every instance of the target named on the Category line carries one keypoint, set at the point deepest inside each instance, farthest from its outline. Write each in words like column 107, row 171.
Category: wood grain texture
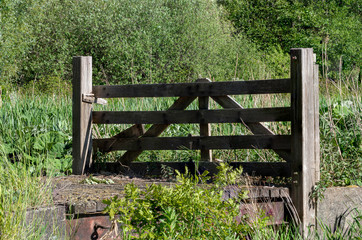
column 205, row 128
column 82, row 115
column 303, row 136
column 134, row 131
column 130, row 133
column 155, row 130
column 193, row 116
column 255, row 127
column 196, row 143
column 196, row 89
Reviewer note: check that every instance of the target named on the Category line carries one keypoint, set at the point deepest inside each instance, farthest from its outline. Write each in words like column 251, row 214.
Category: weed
column 187, row 210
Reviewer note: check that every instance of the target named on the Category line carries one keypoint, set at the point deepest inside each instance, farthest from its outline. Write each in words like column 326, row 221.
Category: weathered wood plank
column 197, row 143
column 205, row 128
column 133, row 132
column 281, row 169
column 192, row 116
column 254, row 127
column 89, row 98
column 196, row 89
column 82, row 115
column 155, row 130
column 303, row 136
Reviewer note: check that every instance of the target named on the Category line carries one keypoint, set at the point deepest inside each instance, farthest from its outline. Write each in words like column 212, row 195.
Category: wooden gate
column 300, row 150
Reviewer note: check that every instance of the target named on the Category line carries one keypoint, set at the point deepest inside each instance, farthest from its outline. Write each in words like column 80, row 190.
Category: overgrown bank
column 151, row 41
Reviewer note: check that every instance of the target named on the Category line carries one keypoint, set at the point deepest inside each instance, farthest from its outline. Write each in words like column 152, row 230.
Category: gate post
column 305, row 135
column 205, row 128
column 82, row 115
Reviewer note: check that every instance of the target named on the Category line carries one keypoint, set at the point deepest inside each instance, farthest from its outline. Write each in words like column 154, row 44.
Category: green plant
column 34, row 131
column 151, row 41
column 187, row 210
column 351, row 230
column 19, row 191
column 341, row 136
column 330, row 27
column 227, row 175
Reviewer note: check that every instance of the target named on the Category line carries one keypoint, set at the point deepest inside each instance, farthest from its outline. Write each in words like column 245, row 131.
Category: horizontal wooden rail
column 300, row 149
column 273, row 169
column 194, row 143
column 193, row 116
column 194, row 89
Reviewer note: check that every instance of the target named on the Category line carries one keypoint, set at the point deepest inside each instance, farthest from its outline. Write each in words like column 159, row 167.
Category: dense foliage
column 341, row 138
column 185, row 210
column 332, row 28
column 130, row 41
column 151, row 41
column 167, row 41
column 35, row 130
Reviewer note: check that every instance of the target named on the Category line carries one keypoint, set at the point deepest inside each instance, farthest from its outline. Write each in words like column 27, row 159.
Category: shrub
column 130, row 41
column 332, row 28
column 186, row 210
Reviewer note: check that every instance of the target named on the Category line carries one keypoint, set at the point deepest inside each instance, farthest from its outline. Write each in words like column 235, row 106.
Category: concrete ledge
column 336, row 205
column 49, row 222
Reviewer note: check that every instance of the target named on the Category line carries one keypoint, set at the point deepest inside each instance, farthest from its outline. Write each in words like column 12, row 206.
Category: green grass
column 35, row 130
column 341, row 133
column 20, row 191
column 35, row 140
column 192, row 210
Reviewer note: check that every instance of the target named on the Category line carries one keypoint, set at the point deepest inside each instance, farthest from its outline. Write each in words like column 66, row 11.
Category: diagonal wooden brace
column 133, row 132
column 255, row 128
column 156, row 129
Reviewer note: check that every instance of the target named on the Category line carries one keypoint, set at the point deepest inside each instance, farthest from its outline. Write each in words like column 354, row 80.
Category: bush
column 130, row 41
column 332, row 28
column 186, row 210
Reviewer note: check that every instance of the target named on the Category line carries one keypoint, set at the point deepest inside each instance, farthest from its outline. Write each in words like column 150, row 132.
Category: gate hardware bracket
column 89, row 98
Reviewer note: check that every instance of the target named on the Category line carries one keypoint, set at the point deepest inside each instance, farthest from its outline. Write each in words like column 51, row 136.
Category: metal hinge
column 89, row 98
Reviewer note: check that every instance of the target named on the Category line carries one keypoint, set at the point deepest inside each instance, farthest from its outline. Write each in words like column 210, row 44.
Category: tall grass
column 35, row 139
column 35, row 129
column 341, row 133
column 19, row 191
column 29, row 125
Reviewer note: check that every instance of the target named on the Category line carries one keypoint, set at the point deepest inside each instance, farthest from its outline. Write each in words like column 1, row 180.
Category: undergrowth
column 187, row 210
column 35, row 130
column 20, row 191
column 35, row 139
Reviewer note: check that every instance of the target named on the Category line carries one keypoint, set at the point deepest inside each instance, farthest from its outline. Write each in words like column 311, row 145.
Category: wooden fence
column 300, row 150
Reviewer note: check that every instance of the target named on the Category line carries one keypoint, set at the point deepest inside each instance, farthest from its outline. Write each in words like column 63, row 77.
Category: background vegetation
column 152, row 41
column 130, row 41
column 331, row 27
